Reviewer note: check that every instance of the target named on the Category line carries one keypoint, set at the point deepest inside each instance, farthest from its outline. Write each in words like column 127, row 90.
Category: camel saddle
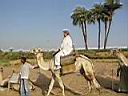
column 68, row 64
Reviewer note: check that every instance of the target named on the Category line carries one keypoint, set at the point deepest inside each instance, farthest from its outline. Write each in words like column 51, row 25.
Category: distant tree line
column 15, row 55
column 12, row 55
column 91, row 53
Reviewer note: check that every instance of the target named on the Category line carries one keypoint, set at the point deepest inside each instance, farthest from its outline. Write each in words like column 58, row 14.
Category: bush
column 15, row 55
column 48, row 55
column 4, row 62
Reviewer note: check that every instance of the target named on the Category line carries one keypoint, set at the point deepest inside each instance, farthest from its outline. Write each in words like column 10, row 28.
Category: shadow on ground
column 108, row 83
column 43, row 82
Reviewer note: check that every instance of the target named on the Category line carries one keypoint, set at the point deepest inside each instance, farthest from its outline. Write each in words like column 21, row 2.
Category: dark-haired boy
column 24, row 76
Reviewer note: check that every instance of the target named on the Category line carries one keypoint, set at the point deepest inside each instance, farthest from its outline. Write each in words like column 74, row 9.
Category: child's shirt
column 25, row 70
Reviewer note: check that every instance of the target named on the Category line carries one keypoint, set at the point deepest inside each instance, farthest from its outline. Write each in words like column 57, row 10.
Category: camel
column 14, row 84
column 122, row 70
column 120, row 56
column 3, row 82
column 82, row 64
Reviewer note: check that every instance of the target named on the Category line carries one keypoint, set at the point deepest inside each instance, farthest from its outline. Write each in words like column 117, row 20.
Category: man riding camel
column 65, row 49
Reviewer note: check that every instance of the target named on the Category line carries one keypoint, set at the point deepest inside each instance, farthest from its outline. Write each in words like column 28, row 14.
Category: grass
column 4, row 62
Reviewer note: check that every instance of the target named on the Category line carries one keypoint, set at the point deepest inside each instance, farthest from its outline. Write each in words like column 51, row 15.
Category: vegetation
column 4, row 62
column 101, row 54
column 100, row 12
column 109, row 8
column 15, row 55
column 92, row 53
column 79, row 17
column 6, row 57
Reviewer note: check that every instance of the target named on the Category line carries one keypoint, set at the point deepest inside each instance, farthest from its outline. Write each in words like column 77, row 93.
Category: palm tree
column 109, row 7
column 105, row 20
column 79, row 17
column 98, row 14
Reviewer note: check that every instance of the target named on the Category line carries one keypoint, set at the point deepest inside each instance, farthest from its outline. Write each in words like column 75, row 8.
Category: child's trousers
column 24, row 87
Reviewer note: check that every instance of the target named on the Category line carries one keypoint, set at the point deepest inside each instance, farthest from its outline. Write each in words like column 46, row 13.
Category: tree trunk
column 84, row 36
column 106, row 37
column 105, row 31
column 99, row 33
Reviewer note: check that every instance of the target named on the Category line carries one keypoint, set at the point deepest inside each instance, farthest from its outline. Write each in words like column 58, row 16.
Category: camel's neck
column 42, row 64
column 40, row 60
column 122, row 58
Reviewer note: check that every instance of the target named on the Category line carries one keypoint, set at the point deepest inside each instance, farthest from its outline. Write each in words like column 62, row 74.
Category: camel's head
column 37, row 51
column 114, row 52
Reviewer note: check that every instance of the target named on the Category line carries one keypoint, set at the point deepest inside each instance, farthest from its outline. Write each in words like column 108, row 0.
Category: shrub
column 15, row 55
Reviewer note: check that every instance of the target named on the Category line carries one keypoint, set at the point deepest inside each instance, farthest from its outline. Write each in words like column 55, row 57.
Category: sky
column 26, row 24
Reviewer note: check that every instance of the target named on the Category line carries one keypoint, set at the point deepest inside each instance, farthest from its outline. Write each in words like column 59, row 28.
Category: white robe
column 66, row 49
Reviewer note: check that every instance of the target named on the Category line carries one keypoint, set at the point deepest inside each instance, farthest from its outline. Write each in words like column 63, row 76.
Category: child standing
column 24, row 76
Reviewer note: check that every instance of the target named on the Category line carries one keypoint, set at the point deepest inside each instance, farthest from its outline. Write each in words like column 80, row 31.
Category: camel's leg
column 31, row 86
column 51, row 86
column 97, row 85
column 59, row 80
column 88, row 77
column 61, row 85
column 91, row 79
column 89, row 86
column 4, row 82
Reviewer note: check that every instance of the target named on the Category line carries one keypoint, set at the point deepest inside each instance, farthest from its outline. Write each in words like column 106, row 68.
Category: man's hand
column 56, row 52
column 35, row 66
column 59, row 50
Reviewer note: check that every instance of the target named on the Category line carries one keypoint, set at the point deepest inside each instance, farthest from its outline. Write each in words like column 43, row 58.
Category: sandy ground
column 75, row 84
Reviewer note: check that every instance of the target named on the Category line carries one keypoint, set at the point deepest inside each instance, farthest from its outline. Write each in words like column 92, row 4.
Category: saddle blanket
column 67, row 60
column 68, row 64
